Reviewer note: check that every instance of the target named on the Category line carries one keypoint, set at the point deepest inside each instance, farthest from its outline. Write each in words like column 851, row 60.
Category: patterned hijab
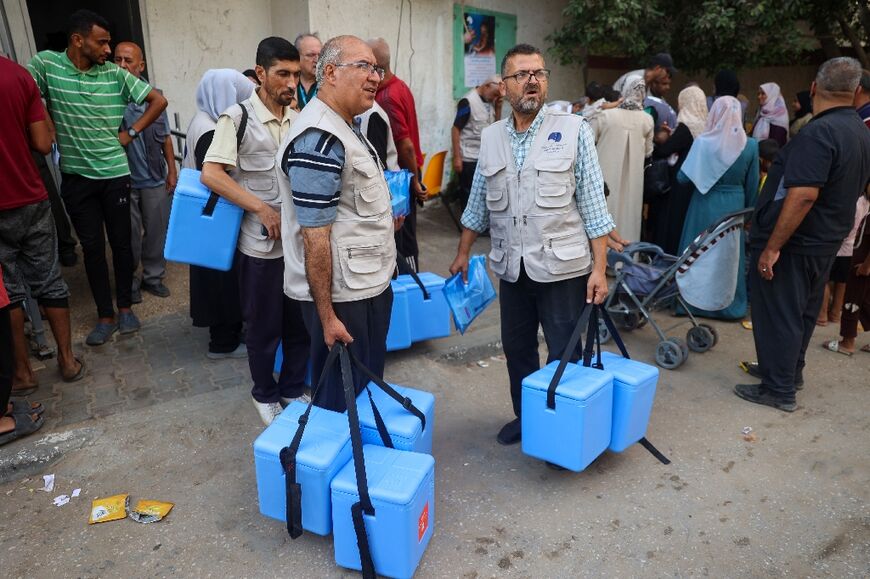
column 633, row 93
column 221, row 88
column 773, row 112
column 693, row 110
column 718, row 147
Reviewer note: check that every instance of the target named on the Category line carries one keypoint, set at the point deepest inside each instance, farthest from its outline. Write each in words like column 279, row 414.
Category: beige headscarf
column 693, row 110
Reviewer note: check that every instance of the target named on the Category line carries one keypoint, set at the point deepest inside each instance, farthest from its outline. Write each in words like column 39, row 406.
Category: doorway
column 48, row 19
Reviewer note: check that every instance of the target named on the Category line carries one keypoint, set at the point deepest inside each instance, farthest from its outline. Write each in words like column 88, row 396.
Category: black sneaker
column 510, row 433
column 758, row 394
column 752, row 370
column 136, row 296
column 157, row 289
column 68, row 259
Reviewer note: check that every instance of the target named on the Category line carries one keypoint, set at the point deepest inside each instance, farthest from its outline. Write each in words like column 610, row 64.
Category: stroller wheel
column 669, row 355
column 630, row 321
column 603, row 333
column 700, row 338
column 684, row 347
column 712, row 331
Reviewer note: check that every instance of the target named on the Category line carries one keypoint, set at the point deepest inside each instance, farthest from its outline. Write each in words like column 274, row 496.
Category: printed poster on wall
column 479, row 39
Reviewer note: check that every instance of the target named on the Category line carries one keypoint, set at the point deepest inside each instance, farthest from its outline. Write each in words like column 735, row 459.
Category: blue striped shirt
column 589, row 192
column 313, row 161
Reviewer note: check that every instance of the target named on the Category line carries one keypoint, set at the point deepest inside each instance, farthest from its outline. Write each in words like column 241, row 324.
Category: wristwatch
column 132, row 132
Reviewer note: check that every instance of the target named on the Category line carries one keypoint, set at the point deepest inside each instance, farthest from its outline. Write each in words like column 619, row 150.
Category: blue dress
column 736, row 189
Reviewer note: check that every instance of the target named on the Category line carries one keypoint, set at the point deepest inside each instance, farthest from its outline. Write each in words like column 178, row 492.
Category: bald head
column 381, row 50
column 129, row 56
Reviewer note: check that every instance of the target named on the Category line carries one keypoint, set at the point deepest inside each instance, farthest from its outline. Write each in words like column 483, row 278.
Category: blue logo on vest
column 555, row 137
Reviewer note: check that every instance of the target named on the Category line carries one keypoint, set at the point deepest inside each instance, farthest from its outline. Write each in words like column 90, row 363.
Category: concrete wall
column 423, row 55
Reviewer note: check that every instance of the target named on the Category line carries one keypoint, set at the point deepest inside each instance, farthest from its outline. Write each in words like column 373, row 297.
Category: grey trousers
column 149, row 218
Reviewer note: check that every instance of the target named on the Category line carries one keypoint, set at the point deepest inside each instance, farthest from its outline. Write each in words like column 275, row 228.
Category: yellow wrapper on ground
column 150, row 511
column 107, row 509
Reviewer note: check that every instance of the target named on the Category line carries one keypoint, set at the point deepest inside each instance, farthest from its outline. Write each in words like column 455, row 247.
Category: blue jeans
column 525, row 304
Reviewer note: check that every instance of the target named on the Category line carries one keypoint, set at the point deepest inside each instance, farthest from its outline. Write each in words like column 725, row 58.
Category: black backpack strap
column 403, row 267
column 654, row 451
column 406, row 402
column 213, row 198
column 566, row 357
column 364, row 506
column 379, row 421
column 593, row 341
column 287, row 456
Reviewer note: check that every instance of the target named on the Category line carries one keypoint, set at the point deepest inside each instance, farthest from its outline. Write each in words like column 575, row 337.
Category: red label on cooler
column 423, row 522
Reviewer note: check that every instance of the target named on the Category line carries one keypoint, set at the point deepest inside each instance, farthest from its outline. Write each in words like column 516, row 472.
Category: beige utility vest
column 533, row 213
column 256, row 172
column 363, row 247
column 482, row 115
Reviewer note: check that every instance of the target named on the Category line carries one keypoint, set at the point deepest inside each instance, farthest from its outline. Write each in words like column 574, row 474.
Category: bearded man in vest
column 478, row 109
column 539, row 190
column 240, row 166
column 338, row 200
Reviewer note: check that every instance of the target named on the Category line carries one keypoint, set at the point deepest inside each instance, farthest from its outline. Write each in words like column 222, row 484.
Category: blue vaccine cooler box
column 429, row 319
column 406, row 431
column 399, row 334
column 199, row 233
column 578, row 430
column 324, row 450
column 634, row 388
column 402, row 491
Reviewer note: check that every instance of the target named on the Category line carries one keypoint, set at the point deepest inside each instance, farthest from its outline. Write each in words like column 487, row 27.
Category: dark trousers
column 271, row 317
column 466, row 178
column 7, row 363
column 367, row 321
column 856, row 302
column 525, row 304
column 784, row 312
column 95, row 204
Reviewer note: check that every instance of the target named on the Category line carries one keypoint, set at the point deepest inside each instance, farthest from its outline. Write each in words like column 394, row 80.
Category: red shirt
column 20, row 106
column 396, row 98
column 4, row 299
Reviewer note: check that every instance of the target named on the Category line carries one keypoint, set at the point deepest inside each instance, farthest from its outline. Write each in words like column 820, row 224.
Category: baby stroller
column 705, row 276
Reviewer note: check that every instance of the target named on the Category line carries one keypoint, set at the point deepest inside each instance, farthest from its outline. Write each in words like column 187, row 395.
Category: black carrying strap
column 406, row 402
column 287, row 456
column 403, row 267
column 622, row 350
column 566, row 357
column 213, row 198
column 364, row 506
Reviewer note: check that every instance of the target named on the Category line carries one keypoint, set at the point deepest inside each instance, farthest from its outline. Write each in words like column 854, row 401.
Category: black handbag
column 656, row 179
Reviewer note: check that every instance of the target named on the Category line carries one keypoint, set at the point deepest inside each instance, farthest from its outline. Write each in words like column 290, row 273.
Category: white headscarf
column 773, row 112
column 718, row 147
column 633, row 93
column 220, row 88
column 693, row 110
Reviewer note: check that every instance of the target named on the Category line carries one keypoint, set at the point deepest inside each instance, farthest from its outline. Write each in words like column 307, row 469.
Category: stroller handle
column 627, row 255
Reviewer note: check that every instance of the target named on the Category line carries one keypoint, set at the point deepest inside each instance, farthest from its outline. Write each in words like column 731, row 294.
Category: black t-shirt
column 377, row 135
column 463, row 113
column 832, row 152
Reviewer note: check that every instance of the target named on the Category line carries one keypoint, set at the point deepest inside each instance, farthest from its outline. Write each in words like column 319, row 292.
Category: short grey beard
column 527, row 106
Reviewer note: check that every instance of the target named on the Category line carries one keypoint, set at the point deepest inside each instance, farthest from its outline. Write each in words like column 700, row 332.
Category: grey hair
column 303, row 36
column 839, row 75
column 329, row 54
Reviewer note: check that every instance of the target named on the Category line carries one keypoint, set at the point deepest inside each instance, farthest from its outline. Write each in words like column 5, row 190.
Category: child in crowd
column 767, row 150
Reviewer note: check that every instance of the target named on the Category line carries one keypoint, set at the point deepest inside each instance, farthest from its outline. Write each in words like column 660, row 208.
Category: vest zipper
column 525, row 222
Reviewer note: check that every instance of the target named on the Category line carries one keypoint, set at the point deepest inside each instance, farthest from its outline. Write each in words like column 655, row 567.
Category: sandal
column 78, row 375
column 24, row 391
column 25, row 407
column 24, row 425
column 834, row 346
column 865, row 348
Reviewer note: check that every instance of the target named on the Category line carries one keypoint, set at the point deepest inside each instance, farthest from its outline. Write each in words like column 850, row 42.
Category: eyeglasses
column 523, row 76
column 362, row 65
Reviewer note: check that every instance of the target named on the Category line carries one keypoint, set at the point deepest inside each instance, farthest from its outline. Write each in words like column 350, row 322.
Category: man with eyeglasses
column 336, row 195
column 539, row 190
column 240, row 166
column 478, row 109
column 308, row 44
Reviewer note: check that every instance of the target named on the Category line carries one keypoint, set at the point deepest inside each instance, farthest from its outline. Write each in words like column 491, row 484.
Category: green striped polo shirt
column 87, row 108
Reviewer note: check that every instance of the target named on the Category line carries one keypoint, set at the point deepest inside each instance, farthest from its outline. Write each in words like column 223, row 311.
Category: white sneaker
column 304, row 399
column 268, row 411
column 240, row 352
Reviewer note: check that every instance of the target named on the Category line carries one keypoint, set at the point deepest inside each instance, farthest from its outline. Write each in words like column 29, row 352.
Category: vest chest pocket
column 370, row 194
column 361, row 261
column 496, row 186
column 498, row 260
column 555, row 182
column 566, row 253
column 259, row 175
